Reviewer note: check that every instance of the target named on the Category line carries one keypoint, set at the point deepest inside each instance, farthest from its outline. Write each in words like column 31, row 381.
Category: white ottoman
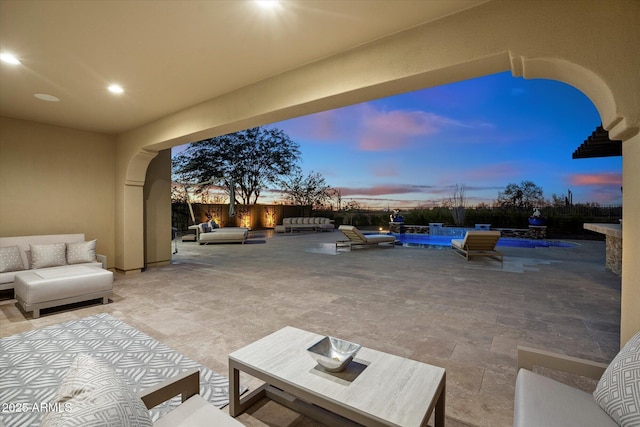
column 44, row 288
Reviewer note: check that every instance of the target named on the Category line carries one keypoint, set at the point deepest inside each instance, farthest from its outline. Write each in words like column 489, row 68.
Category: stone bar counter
column 613, row 233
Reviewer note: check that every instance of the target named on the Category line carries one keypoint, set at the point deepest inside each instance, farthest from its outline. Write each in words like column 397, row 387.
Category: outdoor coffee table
column 376, row 388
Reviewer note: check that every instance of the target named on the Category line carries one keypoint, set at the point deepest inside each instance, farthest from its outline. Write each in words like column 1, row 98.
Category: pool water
column 425, row 240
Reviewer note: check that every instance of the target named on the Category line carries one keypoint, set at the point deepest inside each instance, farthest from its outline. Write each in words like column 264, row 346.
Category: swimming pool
column 426, row 240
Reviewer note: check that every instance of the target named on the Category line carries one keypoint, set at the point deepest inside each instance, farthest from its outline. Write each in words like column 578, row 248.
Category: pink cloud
column 379, row 190
column 599, row 179
column 326, row 126
column 387, row 130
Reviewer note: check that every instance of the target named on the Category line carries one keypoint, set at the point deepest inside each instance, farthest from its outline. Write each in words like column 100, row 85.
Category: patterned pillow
column 10, row 259
column 48, row 255
column 92, row 394
column 80, row 252
column 618, row 391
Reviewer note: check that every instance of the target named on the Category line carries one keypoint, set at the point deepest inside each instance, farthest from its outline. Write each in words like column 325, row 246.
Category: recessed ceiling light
column 117, row 89
column 9, row 58
column 47, row 97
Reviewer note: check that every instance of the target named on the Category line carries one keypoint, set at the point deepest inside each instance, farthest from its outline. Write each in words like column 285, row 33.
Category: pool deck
column 425, row 304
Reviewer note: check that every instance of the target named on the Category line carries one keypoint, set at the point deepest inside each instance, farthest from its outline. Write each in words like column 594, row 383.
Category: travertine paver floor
column 426, row 304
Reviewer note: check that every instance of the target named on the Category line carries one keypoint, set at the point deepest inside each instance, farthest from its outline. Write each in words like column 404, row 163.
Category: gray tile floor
column 426, row 304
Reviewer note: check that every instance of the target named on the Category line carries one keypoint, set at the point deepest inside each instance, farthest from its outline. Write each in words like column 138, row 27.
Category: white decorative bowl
column 333, row 354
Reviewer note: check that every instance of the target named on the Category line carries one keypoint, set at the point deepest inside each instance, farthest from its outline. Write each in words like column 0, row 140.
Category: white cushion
column 92, row 394
column 542, row 401
column 618, row 391
column 48, row 255
column 196, row 412
column 10, row 259
column 81, row 252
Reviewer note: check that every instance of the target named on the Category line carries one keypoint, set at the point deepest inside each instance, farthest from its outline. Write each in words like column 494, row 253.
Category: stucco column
column 131, row 240
column 157, row 211
column 630, row 298
column 130, row 210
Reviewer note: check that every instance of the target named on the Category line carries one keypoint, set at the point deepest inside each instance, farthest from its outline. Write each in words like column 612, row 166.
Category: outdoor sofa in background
column 224, row 235
column 305, row 223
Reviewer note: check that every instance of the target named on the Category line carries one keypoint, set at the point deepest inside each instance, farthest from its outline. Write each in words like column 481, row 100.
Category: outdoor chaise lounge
column 478, row 243
column 356, row 238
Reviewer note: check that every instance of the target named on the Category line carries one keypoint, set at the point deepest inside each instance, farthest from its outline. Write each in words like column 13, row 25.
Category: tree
column 311, row 190
column 457, row 204
column 250, row 160
column 523, row 196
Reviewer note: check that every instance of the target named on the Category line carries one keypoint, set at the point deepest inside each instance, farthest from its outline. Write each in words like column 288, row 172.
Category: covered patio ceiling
column 171, row 55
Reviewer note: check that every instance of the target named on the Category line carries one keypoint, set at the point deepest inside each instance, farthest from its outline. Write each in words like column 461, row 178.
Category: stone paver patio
column 425, row 304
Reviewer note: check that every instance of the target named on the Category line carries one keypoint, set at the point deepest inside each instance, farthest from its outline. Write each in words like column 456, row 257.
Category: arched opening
column 541, row 68
column 409, row 61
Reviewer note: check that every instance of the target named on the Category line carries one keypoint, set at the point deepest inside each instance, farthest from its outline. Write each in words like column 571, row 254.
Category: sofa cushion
column 542, row 401
column 618, row 391
column 93, row 394
column 197, row 411
column 48, row 255
column 81, row 252
column 10, row 259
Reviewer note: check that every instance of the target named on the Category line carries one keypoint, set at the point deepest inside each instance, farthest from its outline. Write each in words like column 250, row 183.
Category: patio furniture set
column 53, row 270
column 373, row 389
column 476, row 243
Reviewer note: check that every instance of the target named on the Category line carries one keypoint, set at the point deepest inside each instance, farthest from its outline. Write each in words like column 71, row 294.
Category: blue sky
column 412, row 149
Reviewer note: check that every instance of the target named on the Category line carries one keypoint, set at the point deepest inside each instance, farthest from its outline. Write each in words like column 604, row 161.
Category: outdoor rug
column 32, row 364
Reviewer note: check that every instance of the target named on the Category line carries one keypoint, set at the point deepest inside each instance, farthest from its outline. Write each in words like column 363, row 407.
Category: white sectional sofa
column 7, row 275
column 53, row 270
column 306, row 223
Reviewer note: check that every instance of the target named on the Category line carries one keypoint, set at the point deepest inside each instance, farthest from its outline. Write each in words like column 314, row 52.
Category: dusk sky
column 412, row 149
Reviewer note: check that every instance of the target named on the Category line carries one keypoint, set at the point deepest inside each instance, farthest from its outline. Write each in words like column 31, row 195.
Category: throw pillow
column 48, row 255
column 10, row 259
column 204, row 227
column 81, row 252
column 618, row 391
column 92, row 394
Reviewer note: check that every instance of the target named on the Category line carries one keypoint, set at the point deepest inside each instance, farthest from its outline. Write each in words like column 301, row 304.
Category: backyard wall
column 251, row 216
column 57, row 180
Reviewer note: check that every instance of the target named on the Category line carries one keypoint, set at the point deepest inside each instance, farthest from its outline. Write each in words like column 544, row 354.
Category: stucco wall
column 57, row 180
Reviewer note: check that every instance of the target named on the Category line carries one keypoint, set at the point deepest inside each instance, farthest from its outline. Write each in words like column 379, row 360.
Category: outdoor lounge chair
column 194, row 410
column 478, row 243
column 356, row 238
